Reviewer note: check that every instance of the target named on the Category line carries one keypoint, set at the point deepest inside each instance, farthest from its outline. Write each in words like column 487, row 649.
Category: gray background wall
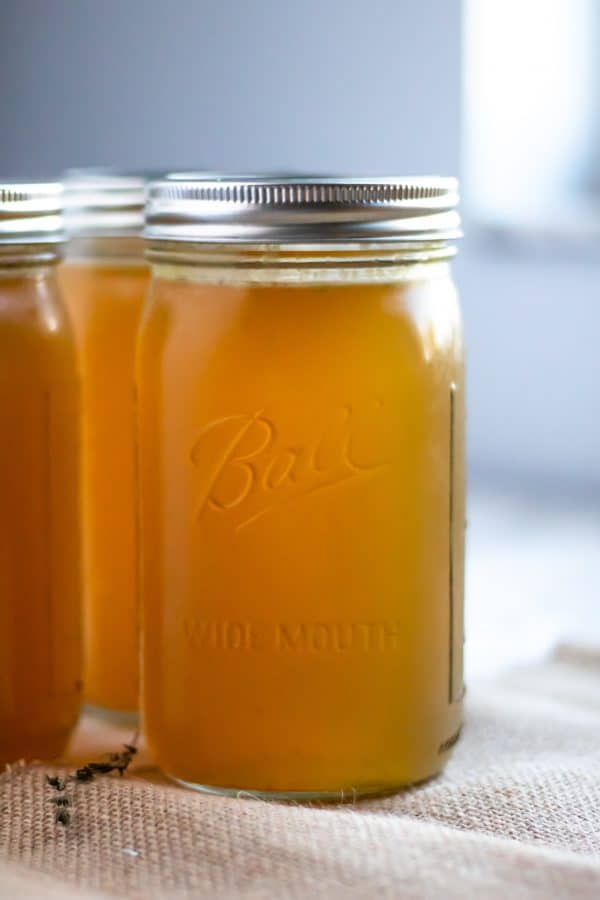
column 317, row 85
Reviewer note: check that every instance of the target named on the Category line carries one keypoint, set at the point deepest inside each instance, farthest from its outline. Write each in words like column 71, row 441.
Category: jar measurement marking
column 451, row 610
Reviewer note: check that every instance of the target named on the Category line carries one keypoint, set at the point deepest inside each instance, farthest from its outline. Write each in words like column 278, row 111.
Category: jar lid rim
column 105, row 201
column 296, row 208
column 31, row 212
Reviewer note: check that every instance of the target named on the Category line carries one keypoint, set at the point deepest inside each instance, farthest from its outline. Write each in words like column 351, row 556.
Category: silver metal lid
column 31, row 213
column 302, row 210
column 105, row 202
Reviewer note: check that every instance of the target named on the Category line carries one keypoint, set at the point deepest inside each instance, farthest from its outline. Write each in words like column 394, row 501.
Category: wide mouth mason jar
column 301, row 471
column 104, row 279
column 40, row 572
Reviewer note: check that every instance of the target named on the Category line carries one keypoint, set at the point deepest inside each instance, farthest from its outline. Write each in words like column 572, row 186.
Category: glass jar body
column 301, row 447
column 104, row 298
column 40, row 572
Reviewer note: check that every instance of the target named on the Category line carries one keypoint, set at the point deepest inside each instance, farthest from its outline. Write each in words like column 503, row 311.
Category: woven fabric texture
column 515, row 815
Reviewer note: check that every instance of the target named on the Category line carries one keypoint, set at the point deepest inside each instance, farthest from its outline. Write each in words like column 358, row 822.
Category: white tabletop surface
column 532, row 577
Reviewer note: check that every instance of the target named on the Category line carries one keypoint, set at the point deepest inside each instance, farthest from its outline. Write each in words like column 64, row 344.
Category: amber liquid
column 104, row 303
column 302, row 511
column 40, row 574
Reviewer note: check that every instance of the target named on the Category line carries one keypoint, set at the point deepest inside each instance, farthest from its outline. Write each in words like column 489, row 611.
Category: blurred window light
column 532, row 122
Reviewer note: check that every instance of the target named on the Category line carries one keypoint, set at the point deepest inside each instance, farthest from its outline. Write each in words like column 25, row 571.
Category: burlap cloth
column 515, row 815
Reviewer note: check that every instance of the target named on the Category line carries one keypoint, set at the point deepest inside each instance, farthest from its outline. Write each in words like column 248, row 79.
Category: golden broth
column 105, row 302
column 302, row 508
column 40, row 574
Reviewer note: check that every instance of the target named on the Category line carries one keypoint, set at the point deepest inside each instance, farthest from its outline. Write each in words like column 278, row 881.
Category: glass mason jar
column 301, row 456
column 40, row 573
column 104, row 279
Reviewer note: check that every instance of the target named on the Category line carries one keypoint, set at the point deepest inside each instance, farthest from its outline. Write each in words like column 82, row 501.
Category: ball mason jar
column 301, row 472
column 104, row 279
column 40, row 571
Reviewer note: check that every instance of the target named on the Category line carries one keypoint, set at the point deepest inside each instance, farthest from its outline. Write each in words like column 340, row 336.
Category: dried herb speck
column 65, row 787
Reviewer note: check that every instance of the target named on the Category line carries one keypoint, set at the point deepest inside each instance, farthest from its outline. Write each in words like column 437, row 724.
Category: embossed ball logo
column 249, row 470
